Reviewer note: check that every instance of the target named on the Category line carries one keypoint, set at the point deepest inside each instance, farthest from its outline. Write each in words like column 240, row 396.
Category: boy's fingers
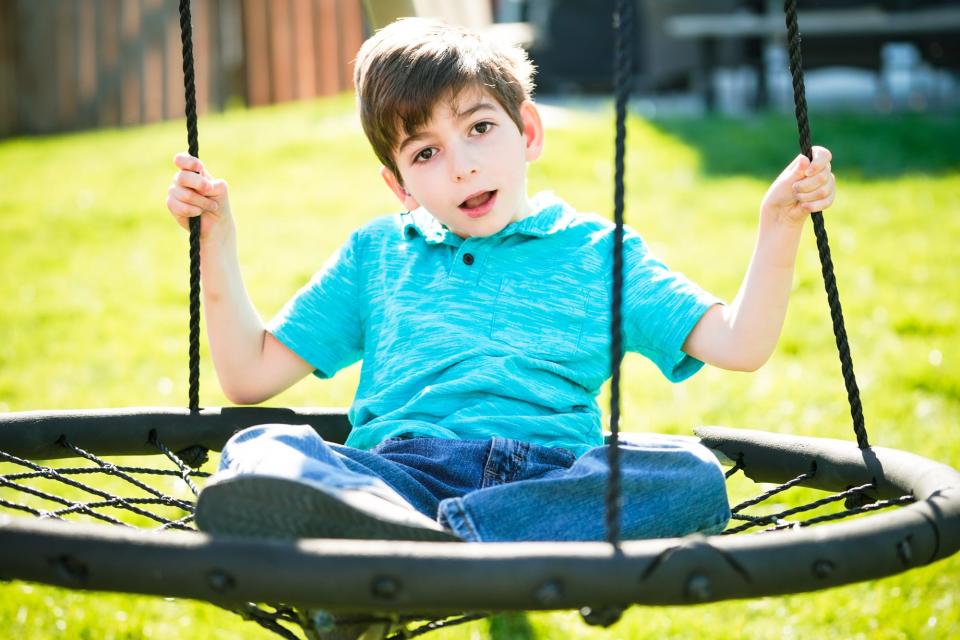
column 193, row 198
column 816, row 181
column 181, row 209
column 822, row 153
column 195, row 181
column 818, row 191
column 799, row 165
column 218, row 187
column 794, row 170
column 187, row 162
column 810, row 196
column 821, row 160
column 818, row 205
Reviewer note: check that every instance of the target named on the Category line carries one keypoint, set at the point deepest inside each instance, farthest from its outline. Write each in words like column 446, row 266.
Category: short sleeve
column 660, row 309
column 322, row 322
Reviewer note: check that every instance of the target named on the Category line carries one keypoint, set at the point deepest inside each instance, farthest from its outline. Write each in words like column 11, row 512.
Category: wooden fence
column 75, row 64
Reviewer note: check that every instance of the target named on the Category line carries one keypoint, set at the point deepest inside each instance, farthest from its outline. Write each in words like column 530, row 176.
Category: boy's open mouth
column 479, row 203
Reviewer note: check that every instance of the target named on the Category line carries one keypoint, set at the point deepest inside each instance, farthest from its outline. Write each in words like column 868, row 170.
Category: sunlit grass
column 95, row 279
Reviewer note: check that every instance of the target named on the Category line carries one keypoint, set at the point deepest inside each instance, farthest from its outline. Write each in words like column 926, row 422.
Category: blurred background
column 78, row 64
column 95, row 273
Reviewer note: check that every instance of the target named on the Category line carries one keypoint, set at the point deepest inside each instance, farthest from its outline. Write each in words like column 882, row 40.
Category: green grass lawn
column 95, row 280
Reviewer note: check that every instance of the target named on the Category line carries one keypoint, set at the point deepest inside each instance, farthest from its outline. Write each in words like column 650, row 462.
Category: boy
column 482, row 318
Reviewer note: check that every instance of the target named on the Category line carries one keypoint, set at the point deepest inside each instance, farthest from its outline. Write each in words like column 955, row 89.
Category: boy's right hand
column 194, row 192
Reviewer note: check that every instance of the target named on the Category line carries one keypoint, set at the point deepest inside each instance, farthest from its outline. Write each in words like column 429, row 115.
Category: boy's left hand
column 802, row 188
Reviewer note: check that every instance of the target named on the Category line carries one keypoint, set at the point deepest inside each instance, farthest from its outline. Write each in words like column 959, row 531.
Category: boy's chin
column 482, row 230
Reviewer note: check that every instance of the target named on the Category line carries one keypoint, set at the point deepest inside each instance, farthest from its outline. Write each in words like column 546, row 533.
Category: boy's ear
column 398, row 190
column 532, row 129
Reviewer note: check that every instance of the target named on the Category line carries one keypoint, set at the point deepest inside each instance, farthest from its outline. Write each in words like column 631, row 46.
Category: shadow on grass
column 511, row 626
column 864, row 146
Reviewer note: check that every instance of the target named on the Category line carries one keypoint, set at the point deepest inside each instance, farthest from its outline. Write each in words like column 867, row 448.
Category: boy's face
column 467, row 165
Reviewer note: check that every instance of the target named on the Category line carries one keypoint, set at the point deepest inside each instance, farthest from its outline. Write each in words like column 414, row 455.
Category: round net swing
column 873, row 511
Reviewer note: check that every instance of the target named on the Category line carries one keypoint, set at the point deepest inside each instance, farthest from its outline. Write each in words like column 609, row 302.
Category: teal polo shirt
column 506, row 335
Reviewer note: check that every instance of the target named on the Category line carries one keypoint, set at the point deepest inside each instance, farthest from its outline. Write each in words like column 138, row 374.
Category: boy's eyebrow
column 459, row 115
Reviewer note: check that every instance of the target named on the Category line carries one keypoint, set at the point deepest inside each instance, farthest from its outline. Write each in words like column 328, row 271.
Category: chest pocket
column 540, row 318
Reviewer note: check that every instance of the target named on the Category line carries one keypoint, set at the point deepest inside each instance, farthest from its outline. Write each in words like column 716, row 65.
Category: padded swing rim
column 437, row 578
column 35, row 435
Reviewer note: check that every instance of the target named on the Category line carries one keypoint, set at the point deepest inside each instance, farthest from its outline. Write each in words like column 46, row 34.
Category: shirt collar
column 419, row 221
column 551, row 215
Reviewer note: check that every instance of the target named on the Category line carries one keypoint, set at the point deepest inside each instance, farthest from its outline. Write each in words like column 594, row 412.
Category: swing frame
column 371, row 576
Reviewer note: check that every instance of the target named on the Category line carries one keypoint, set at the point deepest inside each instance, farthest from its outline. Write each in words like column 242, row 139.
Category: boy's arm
column 742, row 336
column 251, row 364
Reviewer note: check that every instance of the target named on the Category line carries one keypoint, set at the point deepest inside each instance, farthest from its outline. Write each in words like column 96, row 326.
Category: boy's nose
column 462, row 166
column 460, row 176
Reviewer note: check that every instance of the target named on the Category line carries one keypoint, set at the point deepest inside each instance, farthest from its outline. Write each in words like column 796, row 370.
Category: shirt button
column 468, row 259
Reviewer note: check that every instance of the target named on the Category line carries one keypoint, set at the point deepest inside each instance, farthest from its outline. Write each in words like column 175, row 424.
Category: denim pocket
column 543, row 318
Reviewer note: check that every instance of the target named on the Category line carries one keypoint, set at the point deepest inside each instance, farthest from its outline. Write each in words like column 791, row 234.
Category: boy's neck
column 525, row 210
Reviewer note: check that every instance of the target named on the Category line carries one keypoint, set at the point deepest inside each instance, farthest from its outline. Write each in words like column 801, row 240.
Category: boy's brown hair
column 407, row 67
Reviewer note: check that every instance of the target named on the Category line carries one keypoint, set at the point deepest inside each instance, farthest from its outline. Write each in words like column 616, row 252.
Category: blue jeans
column 506, row 490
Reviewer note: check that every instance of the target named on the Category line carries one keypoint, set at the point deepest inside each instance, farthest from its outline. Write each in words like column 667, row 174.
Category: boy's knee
column 661, row 451
column 699, row 469
column 678, row 452
column 701, row 456
column 709, row 508
column 266, row 436
column 682, row 475
column 275, row 449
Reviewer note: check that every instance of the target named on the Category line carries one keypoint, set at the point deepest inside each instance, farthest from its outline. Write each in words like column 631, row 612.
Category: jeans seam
column 490, row 477
column 517, row 457
column 461, row 519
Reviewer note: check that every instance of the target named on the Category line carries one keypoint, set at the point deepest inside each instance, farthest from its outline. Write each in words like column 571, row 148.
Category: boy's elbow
column 746, row 366
column 235, row 396
column 243, row 396
column 749, row 362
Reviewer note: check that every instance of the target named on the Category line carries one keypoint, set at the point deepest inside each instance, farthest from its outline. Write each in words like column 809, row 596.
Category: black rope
column 52, row 474
column 266, row 619
column 738, row 466
column 126, row 469
column 113, row 470
column 190, row 99
column 754, row 521
column 867, row 508
column 435, row 625
column 185, row 471
column 766, row 495
column 823, row 245
column 623, row 29
column 103, row 468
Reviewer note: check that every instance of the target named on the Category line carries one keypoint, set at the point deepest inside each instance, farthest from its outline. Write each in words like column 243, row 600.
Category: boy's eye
column 425, row 154
column 482, row 127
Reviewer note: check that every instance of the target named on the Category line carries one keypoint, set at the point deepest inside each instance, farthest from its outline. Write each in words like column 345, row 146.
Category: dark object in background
column 574, row 46
column 574, row 49
column 940, row 50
